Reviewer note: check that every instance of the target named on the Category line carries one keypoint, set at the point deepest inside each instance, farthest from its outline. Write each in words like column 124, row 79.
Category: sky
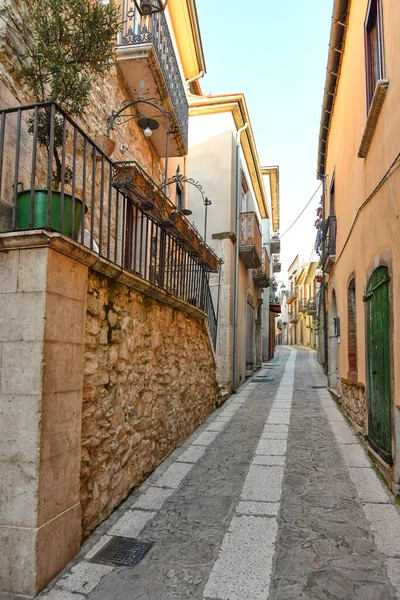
column 276, row 55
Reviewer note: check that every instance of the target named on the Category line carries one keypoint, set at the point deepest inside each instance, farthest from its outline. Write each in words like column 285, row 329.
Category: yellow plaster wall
column 378, row 228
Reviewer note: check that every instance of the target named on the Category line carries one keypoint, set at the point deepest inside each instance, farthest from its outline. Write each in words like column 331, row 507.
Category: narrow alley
column 272, row 498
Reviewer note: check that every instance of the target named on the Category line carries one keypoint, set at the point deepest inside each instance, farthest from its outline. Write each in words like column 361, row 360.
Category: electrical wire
column 306, row 206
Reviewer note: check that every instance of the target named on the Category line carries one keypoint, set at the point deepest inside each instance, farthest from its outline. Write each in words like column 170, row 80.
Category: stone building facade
column 105, row 367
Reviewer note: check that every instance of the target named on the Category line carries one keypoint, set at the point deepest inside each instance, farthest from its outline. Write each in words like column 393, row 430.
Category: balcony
column 312, row 307
column 274, row 304
column 261, row 276
column 279, row 324
column 292, row 296
column 275, row 244
column 250, row 240
column 293, row 317
column 276, row 266
column 145, row 52
column 54, row 177
column 302, row 305
column 328, row 244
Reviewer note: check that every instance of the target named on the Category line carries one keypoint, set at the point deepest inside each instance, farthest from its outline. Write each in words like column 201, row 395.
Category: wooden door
column 378, row 364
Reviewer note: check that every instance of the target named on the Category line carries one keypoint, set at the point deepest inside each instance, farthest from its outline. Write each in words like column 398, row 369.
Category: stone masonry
column 149, row 382
column 355, row 404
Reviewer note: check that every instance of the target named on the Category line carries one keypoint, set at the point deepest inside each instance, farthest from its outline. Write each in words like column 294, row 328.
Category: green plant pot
column 40, row 212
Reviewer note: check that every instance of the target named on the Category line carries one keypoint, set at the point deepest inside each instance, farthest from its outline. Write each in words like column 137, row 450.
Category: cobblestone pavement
column 272, row 498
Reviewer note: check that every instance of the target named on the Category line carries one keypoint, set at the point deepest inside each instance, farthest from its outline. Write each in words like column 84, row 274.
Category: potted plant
column 71, row 46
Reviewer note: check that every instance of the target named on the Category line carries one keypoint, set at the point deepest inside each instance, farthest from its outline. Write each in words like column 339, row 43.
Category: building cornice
column 236, row 104
column 273, row 173
column 340, row 19
column 185, row 23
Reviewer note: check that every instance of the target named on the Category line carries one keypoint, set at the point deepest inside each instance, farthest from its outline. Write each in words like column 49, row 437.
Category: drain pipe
column 192, row 79
column 236, row 280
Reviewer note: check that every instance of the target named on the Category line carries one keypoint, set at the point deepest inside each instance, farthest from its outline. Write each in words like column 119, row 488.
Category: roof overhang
column 236, row 104
column 340, row 19
column 273, row 173
column 291, row 268
column 185, row 23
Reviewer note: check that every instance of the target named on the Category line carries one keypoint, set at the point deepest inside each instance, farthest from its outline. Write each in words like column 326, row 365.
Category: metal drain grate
column 318, row 387
column 122, row 552
column 262, row 379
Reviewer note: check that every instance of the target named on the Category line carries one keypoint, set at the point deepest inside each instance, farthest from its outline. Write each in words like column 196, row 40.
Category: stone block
column 65, row 319
column 58, row 541
column 19, row 428
column 21, row 368
column 32, row 270
column 63, row 370
column 9, row 271
column 22, row 316
column 66, row 277
column 19, row 493
column 18, row 563
column 58, row 484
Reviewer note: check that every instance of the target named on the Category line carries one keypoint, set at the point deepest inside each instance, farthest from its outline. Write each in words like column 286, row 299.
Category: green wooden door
column 378, row 367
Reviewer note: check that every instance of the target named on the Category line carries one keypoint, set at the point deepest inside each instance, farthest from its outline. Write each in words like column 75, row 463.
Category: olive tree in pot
column 71, row 45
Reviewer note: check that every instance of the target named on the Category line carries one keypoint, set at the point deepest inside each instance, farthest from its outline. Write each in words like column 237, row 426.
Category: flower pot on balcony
column 40, row 212
column 105, row 143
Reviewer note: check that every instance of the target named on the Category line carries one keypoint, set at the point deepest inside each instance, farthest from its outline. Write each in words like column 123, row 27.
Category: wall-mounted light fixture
column 149, row 7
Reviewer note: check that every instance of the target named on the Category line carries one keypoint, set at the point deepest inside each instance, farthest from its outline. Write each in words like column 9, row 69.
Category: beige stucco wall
column 212, row 162
column 377, row 230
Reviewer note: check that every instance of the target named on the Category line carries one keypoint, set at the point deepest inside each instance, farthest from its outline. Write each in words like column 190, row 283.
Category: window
column 352, row 330
column 374, row 59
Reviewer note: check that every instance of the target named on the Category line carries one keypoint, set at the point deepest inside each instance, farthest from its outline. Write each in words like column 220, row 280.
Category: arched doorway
column 334, row 334
column 378, row 364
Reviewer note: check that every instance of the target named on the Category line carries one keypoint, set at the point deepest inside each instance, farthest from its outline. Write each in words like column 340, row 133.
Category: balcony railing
column 292, row 295
column 142, row 35
column 302, row 305
column 312, row 306
column 275, row 244
column 274, row 303
column 250, row 240
column 293, row 317
column 53, row 176
column 276, row 266
column 328, row 243
column 261, row 276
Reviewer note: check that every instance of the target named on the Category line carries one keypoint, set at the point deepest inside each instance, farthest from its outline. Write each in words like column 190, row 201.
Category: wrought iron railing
column 292, row 294
column 312, row 306
column 54, row 176
column 326, row 240
column 302, row 305
column 293, row 317
column 261, row 275
column 154, row 30
column 275, row 244
column 250, row 232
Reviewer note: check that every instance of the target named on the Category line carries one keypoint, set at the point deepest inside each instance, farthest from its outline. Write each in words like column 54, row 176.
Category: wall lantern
column 148, row 125
column 149, row 7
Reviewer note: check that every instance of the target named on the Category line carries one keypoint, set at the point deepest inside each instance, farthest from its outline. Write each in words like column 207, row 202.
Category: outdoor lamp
column 148, row 125
column 149, row 7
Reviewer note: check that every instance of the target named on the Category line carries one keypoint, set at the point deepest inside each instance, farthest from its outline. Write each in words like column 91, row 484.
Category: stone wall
column 354, row 401
column 149, row 382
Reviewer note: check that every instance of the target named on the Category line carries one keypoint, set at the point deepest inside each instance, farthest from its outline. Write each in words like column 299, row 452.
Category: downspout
column 195, row 78
column 236, row 279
